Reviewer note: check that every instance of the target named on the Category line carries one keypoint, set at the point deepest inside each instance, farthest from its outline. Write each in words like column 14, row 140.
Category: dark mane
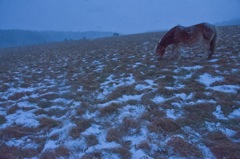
column 166, row 39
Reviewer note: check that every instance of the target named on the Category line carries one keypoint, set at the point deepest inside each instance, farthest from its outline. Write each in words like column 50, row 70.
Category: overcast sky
column 124, row 16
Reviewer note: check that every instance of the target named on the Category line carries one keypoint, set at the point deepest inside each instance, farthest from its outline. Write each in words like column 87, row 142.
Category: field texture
column 112, row 98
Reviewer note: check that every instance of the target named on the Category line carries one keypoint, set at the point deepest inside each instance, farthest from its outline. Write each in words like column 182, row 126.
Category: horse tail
column 213, row 43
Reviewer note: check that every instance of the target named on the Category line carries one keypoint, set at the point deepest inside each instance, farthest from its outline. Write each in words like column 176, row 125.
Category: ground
column 112, row 98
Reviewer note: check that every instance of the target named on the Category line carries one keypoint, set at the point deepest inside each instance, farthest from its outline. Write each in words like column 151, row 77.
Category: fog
column 123, row 16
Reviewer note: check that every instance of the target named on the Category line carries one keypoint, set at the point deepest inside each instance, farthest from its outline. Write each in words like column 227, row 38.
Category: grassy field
column 112, row 98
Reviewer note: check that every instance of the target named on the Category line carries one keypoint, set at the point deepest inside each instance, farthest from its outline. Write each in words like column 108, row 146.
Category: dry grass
column 91, row 140
column 221, row 146
column 95, row 155
column 164, row 126
column 110, row 109
column 58, row 84
column 16, row 152
column 48, row 123
column 58, row 152
column 183, row 148
column 113, row 134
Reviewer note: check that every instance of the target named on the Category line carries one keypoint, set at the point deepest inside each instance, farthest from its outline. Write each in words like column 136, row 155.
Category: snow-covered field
column 112, row 98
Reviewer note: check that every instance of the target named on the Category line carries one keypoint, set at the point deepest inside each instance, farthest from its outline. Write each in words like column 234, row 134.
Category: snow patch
column 208, row 79
column 122, row 99
column 26, row 119
column 184, row 97
column 172, row 114
column 235, row 114
column 219, row 114
column 149, row 85
column 131, row 111
column 112, row 84
column 51, row 144
column 190, row 68
column 226, row 88
column 158, row 99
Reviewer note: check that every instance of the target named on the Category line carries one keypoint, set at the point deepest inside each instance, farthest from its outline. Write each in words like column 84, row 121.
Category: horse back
column 208, row 30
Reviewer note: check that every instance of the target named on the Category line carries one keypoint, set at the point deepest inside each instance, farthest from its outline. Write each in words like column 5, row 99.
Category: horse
column 180, row 35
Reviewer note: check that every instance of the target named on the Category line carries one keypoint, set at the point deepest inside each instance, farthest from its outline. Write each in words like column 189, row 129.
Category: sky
column 123, row 16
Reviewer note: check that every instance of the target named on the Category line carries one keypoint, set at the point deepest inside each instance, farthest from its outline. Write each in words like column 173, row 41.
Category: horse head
column 160, row 50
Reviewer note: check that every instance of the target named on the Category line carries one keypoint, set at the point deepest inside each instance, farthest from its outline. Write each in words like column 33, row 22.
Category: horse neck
column 165, row 40
column 169, row 37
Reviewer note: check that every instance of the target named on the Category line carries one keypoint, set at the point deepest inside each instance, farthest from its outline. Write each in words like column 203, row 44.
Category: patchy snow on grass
column 190, row 68
column 158, row 99
column 219, row 114
column 178, row 86
column 51, row 144
column 150, row 84
column 112, row 98
column 228, row 132
column 208, row 79
column 100, row 133
column 184, row 96
column 226, row 88
column 122, row 99
column 24, row 142
column 26, row 104
column 234, row 114
column 130, row 111
column 172, row 114
column 111, row 84
column 23, row 118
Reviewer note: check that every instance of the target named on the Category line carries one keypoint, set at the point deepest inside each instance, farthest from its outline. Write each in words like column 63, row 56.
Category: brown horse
column 180, row 35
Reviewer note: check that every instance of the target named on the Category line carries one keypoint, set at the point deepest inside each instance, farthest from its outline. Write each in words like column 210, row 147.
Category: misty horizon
column 127, row 17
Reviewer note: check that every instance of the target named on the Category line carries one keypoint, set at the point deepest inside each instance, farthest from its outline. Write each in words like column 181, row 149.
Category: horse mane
column 168, row 36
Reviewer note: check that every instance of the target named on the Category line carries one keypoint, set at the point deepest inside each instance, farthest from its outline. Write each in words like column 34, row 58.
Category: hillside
column 229, row 22
column 112, row 98
column 13, row 38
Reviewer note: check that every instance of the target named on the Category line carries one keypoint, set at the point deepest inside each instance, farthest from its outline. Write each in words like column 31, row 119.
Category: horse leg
column 212, row 46
column 176, row 51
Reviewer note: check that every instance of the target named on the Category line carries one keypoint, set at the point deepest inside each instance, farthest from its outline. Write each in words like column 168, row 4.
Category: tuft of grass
column 144, row 145
column 16, row 96
column 93, row 155
column 16, row 152
column 4, row 87
column 198, row 114
column 15, row 132
column 183, row 148
column 44, row 104
column 221, row 146
column 113, row 134
column 123, row 152
column 130, row 126
column 81, row 126
column 56, row 112
column 152, row 114
column 108, row 110
column 13, row 109
column 74, row 132
column 91, row 140
column 60, row 152
column 48, row 123
column 216, row 136
column 2, row 119
column 164, row 125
